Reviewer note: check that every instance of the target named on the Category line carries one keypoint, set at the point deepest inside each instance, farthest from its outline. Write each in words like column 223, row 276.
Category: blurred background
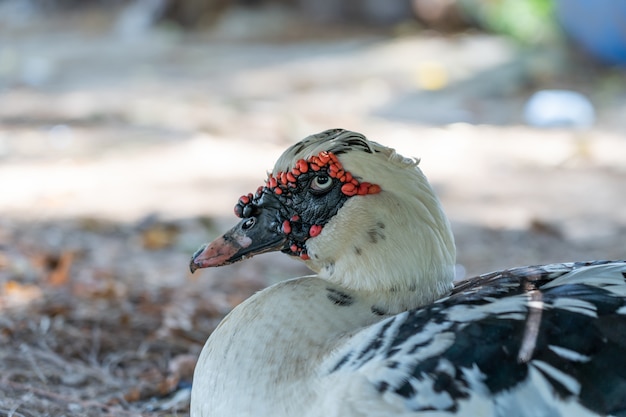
column 129, row 128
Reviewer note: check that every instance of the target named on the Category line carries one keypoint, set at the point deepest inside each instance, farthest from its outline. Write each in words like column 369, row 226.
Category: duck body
column 380, row 329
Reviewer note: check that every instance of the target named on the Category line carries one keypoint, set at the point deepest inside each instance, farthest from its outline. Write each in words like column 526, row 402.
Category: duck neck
column 399, row 250
column 266, row 353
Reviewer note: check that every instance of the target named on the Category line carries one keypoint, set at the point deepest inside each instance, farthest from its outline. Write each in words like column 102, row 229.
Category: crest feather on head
column 338, row 142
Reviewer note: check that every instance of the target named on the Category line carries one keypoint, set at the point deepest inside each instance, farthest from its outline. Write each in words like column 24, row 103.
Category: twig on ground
column 64, row 399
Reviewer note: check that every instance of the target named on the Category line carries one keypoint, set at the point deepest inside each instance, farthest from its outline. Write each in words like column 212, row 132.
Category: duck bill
column 251, row 236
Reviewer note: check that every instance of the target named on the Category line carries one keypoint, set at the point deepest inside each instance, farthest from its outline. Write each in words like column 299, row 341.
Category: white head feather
column 398, row 240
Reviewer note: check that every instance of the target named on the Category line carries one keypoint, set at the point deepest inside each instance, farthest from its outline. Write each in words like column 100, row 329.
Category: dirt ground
column 120, row 153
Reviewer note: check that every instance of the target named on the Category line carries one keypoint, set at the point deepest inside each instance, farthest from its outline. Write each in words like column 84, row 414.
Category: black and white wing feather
column 535, row 341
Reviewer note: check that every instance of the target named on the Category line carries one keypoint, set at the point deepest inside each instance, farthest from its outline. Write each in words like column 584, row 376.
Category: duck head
column 353, row 210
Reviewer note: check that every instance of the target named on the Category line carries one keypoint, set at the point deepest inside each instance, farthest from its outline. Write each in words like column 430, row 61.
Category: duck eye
column 321, row 183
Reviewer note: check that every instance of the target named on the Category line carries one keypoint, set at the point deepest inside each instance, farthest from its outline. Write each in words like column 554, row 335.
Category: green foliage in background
column 528, row 21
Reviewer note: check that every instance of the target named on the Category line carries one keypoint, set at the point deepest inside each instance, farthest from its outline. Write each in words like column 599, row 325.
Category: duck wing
column 535, row 341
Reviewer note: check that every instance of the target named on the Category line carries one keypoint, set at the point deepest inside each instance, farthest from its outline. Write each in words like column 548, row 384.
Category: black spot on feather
column 376, row 232
column 374, row 235
column 339, row 298
column 298, row 147
column 355, row 142
column 376, row 342
column 382, row 386
column 378, row 311
column 341, row 362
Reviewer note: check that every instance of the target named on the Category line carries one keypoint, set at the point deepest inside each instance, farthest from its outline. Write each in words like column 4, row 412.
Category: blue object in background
column 559, row 108
column 599, row 26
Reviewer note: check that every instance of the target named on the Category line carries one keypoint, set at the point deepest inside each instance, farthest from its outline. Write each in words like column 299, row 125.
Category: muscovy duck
column 382, row 330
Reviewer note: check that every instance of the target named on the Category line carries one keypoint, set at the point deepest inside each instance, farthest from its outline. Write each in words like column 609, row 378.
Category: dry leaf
column 15, row 294
column 60, row 274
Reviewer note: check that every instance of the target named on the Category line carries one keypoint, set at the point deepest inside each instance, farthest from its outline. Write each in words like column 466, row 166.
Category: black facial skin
column 310, row 201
